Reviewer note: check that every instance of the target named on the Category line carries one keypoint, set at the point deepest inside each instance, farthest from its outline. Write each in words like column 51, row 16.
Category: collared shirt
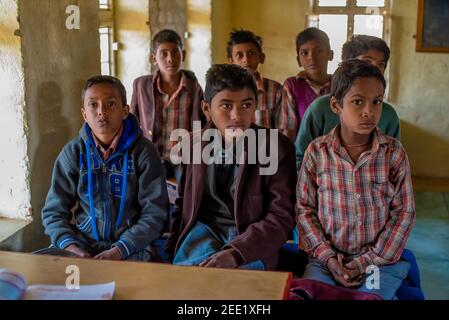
column 106, row 153
column 174, row 113
column 364, row 209
column 273, row 108
column 319, row 89
column 301, row 92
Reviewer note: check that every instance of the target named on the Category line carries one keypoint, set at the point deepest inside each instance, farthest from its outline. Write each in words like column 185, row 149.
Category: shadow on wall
column 54, row 133
column 428, row 154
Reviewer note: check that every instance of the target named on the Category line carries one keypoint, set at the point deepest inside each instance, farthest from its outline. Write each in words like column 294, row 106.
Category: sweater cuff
column 66, row 241
column 125, row 248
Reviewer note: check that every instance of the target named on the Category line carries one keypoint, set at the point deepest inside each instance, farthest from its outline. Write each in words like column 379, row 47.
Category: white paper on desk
column 103, row 291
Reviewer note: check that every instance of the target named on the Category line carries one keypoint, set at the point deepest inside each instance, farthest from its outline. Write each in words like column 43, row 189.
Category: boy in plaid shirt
column 168, row 99
column 355, row 206
column 274, row 110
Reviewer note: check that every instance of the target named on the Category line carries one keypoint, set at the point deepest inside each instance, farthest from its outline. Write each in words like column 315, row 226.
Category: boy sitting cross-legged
column 232, row 212
column 113, row 176
column 355, row 206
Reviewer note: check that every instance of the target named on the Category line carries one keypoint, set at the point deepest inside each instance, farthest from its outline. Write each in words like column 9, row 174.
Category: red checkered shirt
column 175, row 113
column 106, row 153
column 319, row 89
column 274, row 110
column 364, row 210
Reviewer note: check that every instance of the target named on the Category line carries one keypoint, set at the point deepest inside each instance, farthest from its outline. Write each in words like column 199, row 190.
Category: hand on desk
column 111, row 254
column 73, row 248
column 228, row 258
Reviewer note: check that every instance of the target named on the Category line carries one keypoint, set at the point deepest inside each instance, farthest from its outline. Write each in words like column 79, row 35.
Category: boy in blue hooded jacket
column 115, row 217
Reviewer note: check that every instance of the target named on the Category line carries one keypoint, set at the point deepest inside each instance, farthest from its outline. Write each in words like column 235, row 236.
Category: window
column 105, row 4
column 105, row 50
column 341, row 19
column 106, row 33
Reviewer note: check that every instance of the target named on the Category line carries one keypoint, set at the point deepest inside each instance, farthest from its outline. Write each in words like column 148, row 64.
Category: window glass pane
column 104, row 44
column 105, row 69
column 370, row 3
column 332, row 3
column 104, row 4
column 369, row 24
column 105, row 50
column 336, row 27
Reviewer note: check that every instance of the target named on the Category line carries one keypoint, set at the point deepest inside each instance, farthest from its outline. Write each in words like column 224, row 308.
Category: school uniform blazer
column 263, row 205
column 143, row 101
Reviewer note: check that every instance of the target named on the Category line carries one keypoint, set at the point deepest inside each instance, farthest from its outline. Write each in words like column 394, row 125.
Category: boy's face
column 247, row 55
column 168, row 58
column 231, row 109
column 103, row 110
column 314, row 56
column 374, row 57
column 362, row 106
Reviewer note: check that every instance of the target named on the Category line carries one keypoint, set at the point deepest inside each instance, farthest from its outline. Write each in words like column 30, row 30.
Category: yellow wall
column 419, row 84
column 221, row 26
column 277, row 22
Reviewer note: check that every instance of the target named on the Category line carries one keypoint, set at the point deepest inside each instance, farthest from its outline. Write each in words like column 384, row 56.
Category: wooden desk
column 147, row 281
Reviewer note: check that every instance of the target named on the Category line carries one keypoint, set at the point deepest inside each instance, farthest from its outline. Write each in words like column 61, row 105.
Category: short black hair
column 108, row 80
column 310, row 34
column 347, row 72
column 360, row 44
column 227, row 76
column 164, row 36
column 243, row 36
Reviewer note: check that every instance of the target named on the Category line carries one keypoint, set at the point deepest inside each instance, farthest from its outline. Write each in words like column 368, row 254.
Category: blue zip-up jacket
column 111, row 211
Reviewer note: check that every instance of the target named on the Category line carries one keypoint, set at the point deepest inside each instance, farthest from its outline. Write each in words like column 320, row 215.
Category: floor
column 429, row 241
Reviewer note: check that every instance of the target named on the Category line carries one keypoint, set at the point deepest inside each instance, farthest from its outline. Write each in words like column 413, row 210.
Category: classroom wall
column 168, row 15
column 221, row 26
column 15, row 187
column 278, row 22
column 419, row 89
column 132, row 32
column 56, row 63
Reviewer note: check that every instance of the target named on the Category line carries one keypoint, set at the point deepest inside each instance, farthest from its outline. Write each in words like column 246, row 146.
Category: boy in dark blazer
column 232, row 211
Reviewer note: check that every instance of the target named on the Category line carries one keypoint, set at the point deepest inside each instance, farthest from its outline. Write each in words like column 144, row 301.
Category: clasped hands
column 347, row 274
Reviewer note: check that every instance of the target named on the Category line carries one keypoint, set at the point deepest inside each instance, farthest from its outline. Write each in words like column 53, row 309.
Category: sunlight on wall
column 133, row 35
column 14, row 171
column 200, row 36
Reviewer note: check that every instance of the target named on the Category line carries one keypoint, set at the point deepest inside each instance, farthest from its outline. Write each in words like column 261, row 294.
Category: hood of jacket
column 131, row 132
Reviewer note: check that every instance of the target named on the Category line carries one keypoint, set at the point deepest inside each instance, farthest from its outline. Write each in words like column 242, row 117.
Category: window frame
column 351, row 9
column 106, row 6
column 106, row 17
